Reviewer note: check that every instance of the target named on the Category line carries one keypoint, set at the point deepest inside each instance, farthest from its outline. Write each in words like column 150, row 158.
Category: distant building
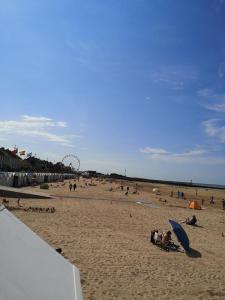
column 90, row 174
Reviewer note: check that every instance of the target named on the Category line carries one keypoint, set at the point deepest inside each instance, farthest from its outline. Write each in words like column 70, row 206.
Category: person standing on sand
column 74, row 186
column 70, row 186
column 223, row 204
column 136, row 187
column 178, row 194
column 212, row 200
column 18, row 201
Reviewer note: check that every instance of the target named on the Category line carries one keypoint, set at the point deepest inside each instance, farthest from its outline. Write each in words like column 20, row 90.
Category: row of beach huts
column 19, row 179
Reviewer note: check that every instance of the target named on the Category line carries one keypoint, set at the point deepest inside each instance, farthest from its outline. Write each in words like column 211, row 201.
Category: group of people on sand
column 72, row 186
column 128, row 189
column 180, row 195
column 164, row 239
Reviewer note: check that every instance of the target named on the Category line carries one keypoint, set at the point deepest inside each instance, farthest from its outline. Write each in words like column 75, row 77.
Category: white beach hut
column 29, row 268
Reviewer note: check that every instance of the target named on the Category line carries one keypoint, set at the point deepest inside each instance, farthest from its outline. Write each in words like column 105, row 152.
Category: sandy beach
column 106, row 235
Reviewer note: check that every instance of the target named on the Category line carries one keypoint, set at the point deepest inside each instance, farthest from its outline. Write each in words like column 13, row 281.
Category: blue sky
column 136, row 85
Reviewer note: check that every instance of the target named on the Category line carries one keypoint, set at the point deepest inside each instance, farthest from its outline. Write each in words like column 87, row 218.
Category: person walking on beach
column 223, row 204
column 70, row 186
column 136, row 187
column 74, row 186
column 178, row 194
column 212, row 200
column 18, row 201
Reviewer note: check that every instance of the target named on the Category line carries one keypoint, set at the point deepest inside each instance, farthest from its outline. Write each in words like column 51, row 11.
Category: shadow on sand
column 197, row 226
column 193, row 253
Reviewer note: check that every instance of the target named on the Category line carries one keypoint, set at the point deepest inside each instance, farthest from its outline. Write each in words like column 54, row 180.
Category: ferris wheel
column 71, row 161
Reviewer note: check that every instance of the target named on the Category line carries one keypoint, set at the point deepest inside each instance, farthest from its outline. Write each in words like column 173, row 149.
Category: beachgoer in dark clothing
column 178, row 194
column 191, row 221
column 70, row 186
column 18, row 201
column 223, row 204
column 74, row 186
column 166, row 240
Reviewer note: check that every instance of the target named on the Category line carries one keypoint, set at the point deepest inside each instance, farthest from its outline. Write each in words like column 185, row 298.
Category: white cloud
column 34, row 126
column 168, row 79
column 190, row 153
column 217, row 98
column 220, row 107
column 158, row 154
column 159, row 151
column 205, row 92
column 213, row 130
column 36, row 119
column 174, row 79
column 149, row 150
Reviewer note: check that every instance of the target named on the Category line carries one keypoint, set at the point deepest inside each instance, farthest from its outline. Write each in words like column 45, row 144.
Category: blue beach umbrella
column 180, row 234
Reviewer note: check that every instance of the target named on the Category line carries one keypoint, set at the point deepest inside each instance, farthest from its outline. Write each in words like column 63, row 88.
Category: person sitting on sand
column 166, row 240
column 157, row 237
column 191, row 221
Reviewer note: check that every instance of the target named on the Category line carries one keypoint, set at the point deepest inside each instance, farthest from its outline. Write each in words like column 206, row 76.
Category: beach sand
column 106, row 235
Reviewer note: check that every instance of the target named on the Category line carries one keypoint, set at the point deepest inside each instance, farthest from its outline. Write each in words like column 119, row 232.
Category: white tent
column 29, row 268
